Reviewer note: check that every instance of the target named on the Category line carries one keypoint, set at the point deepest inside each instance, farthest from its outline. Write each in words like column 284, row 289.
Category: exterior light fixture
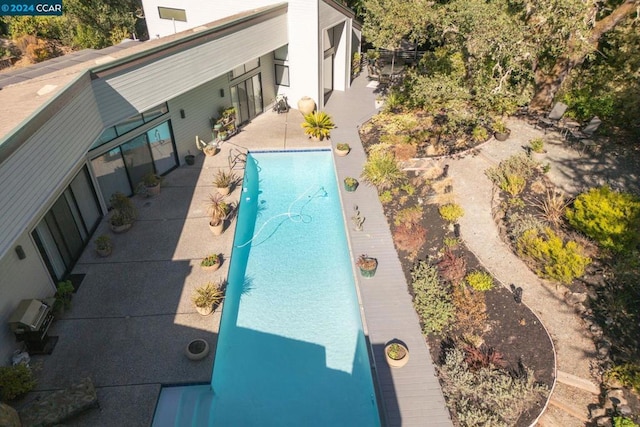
column 20, row 252
column 182, row 114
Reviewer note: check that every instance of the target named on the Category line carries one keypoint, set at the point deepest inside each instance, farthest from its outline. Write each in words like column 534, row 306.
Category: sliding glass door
column 246, row 97
column 66, row 229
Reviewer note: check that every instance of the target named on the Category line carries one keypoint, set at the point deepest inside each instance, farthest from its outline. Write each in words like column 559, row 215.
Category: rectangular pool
column 291, row 349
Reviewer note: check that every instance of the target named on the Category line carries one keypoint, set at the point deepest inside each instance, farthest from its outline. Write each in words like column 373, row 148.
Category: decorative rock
column 603, row 349
column 604, row 422
column 8, row 416
column 625, row 410
column 616, row 396
column 580, row 308
column 596, row 412
column 576, row 297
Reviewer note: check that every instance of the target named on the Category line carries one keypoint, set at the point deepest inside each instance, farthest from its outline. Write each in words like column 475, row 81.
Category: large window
column 131, row 123
column 122, row 168
column 245, row 68
column 282, row 75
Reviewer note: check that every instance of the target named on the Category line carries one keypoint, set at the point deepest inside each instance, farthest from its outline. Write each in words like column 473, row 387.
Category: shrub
column 431, row 300
column 382, row 171
column 479, row 134
column 511, row 174
column 623, row 422
column 479, row 280
column 452, row 268
column 15, row 381
column 410, row 238
column 386, row 197
column 609, row 217
column 552, row 207
column 513, row 184
column 409, row 216
column 487, row 396
column 483, row 357
column 554, row 259
column 628, row 374
column 537, row 145
column 471, row 310
column 451, row 212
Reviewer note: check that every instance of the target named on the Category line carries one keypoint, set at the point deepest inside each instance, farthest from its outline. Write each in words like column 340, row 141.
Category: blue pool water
column 291, row 349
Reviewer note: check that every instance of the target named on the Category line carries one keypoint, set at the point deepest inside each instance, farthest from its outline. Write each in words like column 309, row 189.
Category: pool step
column 202, row 411
column 194, row 407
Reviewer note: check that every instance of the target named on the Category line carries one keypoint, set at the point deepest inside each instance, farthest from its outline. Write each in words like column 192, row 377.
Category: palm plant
column 318, row 125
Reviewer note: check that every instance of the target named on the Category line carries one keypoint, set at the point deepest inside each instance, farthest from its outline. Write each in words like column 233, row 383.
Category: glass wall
column 123, row 168
column 65, row 230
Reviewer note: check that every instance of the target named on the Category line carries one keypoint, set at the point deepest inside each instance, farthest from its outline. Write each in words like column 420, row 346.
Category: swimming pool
column 291, row 349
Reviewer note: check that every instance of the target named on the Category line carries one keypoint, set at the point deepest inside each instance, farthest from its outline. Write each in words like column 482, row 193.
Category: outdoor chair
column 585, row 135
column 553, row 118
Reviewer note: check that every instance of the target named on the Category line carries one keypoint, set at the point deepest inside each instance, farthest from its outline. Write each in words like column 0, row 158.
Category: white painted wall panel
column 304, row 55
column 198, row 13
column 151, row 84
column 34, row 175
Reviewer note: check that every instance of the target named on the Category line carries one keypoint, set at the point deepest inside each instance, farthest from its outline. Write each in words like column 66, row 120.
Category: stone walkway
column 574, row 345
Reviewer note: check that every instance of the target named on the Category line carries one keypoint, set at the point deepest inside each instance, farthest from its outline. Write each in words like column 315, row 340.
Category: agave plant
column 318, row 125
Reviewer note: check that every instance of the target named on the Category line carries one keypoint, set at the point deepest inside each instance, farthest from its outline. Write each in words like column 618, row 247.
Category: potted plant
column 350, row 184
column 397, row 354
column 63, row 296
column 536, row 148
column 219, row 210
column 150, row 185
column 500, row 130
column 211, row 262
column 207, row 297
column 318, row 125
column 367, row 265
column 342, row 149
column 124, row 213
column 224, row 180
column 103, row 245
column 209, row 149
column 189, row 159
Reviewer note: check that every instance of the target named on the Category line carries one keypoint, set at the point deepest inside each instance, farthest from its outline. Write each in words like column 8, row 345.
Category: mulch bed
column 512, row 329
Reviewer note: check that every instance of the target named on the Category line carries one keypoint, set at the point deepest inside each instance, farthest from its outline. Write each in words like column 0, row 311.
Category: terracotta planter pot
column 197, row 349
column 153, row 190
column 397, row 363
column 224, row 190
column 204, row 311
column 213, row 267
column 217, row 229
column 306, row 105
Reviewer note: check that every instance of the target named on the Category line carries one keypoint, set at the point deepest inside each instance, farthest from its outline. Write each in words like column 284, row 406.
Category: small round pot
column 104, row 252
column 306, row 105
column 204, row 311
column 120, row 228
column 217, row 229
column 341, row 153
column 396, row 363
column 368, row 273
column 350, row 188
column 213, row 267
column 197, row 349
column 502, row 136
column 190, row 159
column 153, row 190
column 224, row 190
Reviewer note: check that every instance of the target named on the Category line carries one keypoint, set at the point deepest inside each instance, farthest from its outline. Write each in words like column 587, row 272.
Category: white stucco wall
column 198, row 13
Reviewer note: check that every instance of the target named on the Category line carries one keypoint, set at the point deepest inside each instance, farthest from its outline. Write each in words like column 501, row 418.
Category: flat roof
column 24, row 91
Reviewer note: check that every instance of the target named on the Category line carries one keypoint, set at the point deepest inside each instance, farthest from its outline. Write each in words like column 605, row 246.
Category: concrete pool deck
column 132, row 316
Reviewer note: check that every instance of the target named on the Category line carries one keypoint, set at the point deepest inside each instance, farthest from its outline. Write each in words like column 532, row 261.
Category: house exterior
column 75, row 130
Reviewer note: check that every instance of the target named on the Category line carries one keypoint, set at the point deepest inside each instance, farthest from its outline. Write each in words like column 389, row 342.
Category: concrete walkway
column 411, row 395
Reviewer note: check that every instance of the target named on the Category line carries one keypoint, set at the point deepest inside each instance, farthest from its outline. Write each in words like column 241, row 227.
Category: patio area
column 132, row 315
